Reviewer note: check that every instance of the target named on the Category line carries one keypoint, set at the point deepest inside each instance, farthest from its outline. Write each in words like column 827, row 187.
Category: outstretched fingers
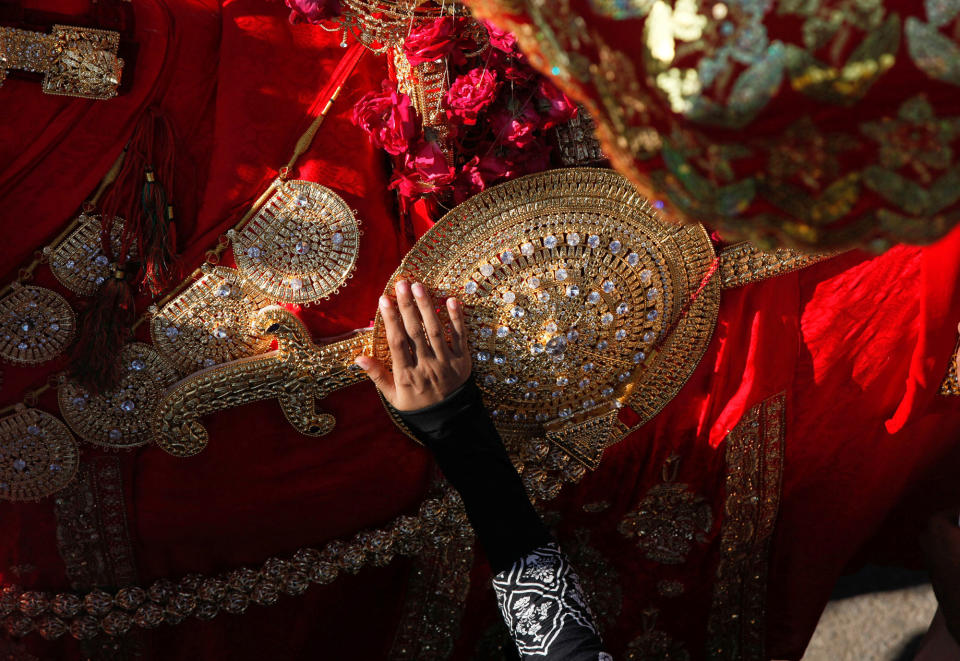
column 458, row 328
column 431, row 322
column 397, row 338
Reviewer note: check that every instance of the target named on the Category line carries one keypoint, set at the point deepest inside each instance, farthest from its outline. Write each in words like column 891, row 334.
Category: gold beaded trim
column 36, row 325
column 301, row 245
column 75, row 61
column 209, row 323
column 38, row 455
column 743, row 263
column 120, row 418
column 85, row 616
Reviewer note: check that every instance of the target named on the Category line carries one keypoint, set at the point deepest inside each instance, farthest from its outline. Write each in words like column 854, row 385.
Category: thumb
column 382, row 377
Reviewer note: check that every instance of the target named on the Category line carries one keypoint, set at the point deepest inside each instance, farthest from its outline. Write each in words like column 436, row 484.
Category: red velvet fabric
column 858, row 343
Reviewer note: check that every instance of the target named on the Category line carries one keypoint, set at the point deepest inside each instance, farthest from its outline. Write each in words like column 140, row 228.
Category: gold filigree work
column 209, row 323
column 743, row 263
column 298, row 374
column 301, row 245
column 78, row 262
column 572, row 290
column 121, row 417
column 75, row 61
column 38, row 455
column 951, row 384
column 36, row 325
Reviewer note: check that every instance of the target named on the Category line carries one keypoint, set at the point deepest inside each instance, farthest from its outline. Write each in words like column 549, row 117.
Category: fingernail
column 452, row 303
column 418, row 290
column 403, row 287
column 384, row 303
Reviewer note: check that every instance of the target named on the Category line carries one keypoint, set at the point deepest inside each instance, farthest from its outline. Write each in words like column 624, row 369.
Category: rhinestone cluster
column 78, row 261
column 122, row 417
column 301, row 246
column 36, row 325
column 38, row 456
column 209, row 323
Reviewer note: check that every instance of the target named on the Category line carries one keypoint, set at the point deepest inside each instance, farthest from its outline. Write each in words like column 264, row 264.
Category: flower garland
column 498, row 113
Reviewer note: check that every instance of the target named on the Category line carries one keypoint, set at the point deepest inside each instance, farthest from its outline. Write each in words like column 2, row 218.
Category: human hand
column 941, row 547
column 426, row 368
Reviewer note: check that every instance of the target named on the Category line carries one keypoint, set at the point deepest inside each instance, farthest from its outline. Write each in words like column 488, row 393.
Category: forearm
column 472, row 457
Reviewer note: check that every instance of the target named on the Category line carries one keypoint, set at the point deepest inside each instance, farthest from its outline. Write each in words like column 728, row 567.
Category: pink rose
column 555, row 107
column 313, row 11
column 387, row 119
column 501, row 39
column 470, row 94
column 430, row 40
column 518, row 128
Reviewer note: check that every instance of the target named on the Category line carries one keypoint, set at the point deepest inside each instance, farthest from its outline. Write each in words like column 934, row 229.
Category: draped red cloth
column 858, row 343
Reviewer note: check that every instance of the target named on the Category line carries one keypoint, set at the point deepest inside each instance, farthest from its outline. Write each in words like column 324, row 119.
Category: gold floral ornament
column 934, row 44
column 670, row 519
column 572, row 289
column 120, row 418
column 75, row 61
column 655, row 645
column 78, row 262
column 36, row 325
column 209, row 323
column 38, row 455
column 301, row 245
column 383, row 24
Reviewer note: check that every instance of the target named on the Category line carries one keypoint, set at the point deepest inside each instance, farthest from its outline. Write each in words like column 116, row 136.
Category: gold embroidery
column 38, row 455
column 653, row 644
column 75, row 61
column 92, row 533
column 754, row 455
column 36, row 325
column 743, row 263
column 669, row 520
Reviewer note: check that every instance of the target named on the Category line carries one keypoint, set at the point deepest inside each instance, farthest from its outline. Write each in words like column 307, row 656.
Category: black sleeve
column 537, row 590
column 468, row 449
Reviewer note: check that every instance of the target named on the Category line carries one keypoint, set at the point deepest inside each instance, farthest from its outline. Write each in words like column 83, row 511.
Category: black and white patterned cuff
column 543, row 605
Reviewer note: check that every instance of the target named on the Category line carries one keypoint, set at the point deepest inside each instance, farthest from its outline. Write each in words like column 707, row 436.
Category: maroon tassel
column 104, row 328
column 158, row 235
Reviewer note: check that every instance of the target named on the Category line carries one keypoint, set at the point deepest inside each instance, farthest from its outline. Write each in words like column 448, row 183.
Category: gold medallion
column 574, row 293
column 301, row 245
column 209, row 323
column 38, row 455
column 36, row 325
column 78, row 262
column 122, row 417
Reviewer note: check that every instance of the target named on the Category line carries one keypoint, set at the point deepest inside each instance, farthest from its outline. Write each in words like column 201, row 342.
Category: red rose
column 477, row 174
column 533, row 158
column 313, row 11
column 555, row 107
column 424, row 171
column 428, row 41
column 516, row 128
column 387, row 119
column 501, row 39
column 470, row 94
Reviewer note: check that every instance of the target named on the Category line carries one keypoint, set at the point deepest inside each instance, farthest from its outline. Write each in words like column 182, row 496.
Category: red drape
column 858, row 344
